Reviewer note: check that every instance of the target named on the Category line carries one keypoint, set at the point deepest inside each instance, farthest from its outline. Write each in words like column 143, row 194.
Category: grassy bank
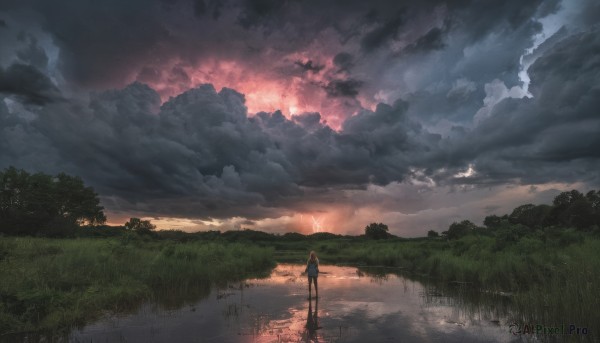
column 53, row 284
column 554, row 280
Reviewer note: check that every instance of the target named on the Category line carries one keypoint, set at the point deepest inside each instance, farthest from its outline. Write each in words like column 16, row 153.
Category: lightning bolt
column 317, row 224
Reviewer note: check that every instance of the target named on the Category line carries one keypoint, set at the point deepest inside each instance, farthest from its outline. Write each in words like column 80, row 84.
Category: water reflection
column 354, row 306
column 312, row 322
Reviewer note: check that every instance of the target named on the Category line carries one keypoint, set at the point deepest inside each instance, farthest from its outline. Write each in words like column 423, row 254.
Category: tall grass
column 48, row 284
column 570, row 293
column 550, row 281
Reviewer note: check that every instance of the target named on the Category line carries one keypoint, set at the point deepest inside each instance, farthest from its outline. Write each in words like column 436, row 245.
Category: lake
column 355, row 305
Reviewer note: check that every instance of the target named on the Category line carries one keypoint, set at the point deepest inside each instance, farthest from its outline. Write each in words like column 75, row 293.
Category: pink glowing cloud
column 285, row 86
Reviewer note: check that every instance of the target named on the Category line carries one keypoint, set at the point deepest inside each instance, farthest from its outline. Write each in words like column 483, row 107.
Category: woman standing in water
column 312, row 269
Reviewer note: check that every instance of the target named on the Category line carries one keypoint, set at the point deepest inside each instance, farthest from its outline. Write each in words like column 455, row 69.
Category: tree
column 140, row 226
column 594, row 199
column 573, row 209
column 432, row 234
column 494, row 222
column 41, row 204
column 458, row 230
column 565, row 199
column 579, row 214
column 79, row 203
column 377, row 231
column 530, row 215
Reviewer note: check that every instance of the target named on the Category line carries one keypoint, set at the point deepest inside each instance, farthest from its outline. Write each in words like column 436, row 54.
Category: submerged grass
column 53, row 284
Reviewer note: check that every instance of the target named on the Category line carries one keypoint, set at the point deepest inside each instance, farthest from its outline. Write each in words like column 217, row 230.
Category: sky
column 304, row 115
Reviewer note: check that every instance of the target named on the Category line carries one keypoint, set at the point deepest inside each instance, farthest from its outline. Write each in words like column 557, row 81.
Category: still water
column 353, row 306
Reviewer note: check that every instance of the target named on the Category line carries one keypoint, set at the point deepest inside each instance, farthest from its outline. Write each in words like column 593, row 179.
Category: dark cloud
column 343, row 88
column 461, row 91
column 559, row 35
column 199, row 155
column 28, row 84
column 483, row 18
column 199, row 8
column 309, row 121
column 3, row 23
column 453, row 90
column 344, row 61
column 589, row 13
column 202, row 7
column 432, row 40
column 552, row 136
column 148, row 74
column 100, row 44
column 548, row 7
column 33, row 54
column 255, row 11
column 309, row 66
column 103, row 46
column 384, row 32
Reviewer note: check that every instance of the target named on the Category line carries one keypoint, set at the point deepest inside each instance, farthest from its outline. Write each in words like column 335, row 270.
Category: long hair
column 312, row 257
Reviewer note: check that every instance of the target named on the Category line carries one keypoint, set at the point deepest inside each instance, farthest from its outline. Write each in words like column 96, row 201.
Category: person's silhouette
column 312, row 270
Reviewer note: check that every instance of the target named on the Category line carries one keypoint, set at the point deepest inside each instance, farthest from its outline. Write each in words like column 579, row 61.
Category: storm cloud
column 202, row 147
column 28, row 84
column 263, row 109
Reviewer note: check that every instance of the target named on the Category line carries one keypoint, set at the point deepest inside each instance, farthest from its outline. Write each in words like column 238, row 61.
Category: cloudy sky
column 302, row 115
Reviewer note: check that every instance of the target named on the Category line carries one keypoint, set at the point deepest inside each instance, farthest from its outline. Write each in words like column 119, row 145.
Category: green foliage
column 573, row 209
column 537, row 252
column 140, row 226
column 48, row 284
column 377, row 231
column 41, row 204
column 432, row 234
column 458, row 230
column 293, row 236
column 569, row 289
column 248, row 235
column 494, row 221
column 324, row 235
column 565, row 199
column 530, row 215
column 98, row 231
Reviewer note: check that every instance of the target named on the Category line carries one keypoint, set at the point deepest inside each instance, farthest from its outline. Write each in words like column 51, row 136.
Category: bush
column 377, row 231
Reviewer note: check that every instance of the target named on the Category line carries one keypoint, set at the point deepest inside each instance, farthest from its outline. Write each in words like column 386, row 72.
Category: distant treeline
column 230, row 236
column 569, row 210
column 62, row 206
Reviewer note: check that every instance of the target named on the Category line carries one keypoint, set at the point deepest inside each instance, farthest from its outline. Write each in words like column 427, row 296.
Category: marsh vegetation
column 543, row 258
column 50, row 285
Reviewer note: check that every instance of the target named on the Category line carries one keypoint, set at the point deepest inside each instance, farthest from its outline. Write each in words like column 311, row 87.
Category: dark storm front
column 354, row 306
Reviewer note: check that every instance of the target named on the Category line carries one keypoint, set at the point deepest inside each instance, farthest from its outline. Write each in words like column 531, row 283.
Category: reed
column 550, row 281
column 53, row 284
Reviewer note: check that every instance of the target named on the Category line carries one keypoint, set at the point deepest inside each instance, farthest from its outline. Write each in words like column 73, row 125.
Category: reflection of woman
column 312, row 269
column 312, row 322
